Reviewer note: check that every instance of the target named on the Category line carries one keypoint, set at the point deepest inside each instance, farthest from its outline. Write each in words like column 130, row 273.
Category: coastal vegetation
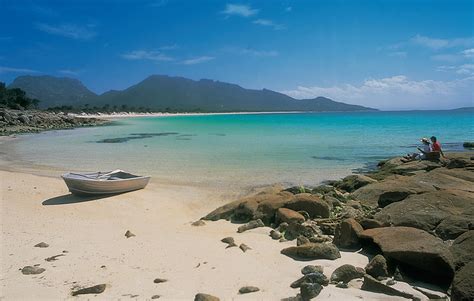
column 15, row 98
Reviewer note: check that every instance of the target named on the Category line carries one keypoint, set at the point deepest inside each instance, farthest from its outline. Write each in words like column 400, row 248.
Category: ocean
column 245, row 150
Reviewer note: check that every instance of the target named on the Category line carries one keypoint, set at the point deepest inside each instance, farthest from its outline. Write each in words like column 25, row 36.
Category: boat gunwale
column 64, row 177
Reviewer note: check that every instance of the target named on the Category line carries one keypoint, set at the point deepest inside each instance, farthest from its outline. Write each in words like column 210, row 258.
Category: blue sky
column 385, row 54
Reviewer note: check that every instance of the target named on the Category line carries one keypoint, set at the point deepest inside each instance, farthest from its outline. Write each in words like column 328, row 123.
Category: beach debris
column 315, row 277
column 42, row 245
column 54, row 258
column 205, row 297
column 160, row 280
column 377, row 267
column 312, row 269
column 250, row 225
column 248, row 289
column 274, row 234
column 32, row 270
column 313, row 251
column 309, row 291
column 244, row 247
column 198, row 223
column 129, row 234
column 96, row 289
column 373, row 285
column 346, row 273
column 155, row 296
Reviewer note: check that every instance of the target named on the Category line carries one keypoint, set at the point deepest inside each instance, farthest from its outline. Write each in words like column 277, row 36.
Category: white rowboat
column 117, row 181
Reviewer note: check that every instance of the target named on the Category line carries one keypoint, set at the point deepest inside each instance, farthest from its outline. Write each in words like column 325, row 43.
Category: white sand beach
column 89, row 236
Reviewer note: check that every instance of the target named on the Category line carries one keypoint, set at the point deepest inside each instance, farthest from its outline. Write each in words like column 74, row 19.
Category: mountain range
column 165, row 93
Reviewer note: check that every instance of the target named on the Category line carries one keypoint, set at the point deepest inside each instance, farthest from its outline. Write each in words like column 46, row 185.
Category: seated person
column 423, row 151
column 436, row 146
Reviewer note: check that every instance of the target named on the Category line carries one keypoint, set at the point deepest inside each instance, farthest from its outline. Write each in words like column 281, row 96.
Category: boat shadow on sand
column 73, row 199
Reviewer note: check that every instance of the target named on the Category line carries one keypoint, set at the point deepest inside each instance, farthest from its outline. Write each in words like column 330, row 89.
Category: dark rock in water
column 274, row 234
column 314, row 205
column 354, row 182
column 463, row 284
column 415, row 249
column 346, row 273
column 244, row 247
column 372, row 285
column 427, row 211
column 313, row 251
column 198, row 223
column 463, row 249
column 369, row 223
column 377, row 267
column 309, row 291
column 315, row 277
column 347, row 234
column 468, row 144
column 32, row 270
column 289, row 216
column 96, row 289
column 155, row 296
column 312, row 269
column 160, row 280
column 129, row 234
column 250, row 225
column 228, row 240
column 248, row 289
column 205, row 297
column 42, row 245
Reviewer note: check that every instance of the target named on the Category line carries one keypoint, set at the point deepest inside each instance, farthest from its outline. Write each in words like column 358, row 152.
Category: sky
column 391, row 55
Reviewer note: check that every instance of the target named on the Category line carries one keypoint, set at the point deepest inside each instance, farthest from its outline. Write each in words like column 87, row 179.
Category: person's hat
column 425, row 140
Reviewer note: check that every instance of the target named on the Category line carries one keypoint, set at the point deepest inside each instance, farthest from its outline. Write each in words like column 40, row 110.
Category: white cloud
column 268, row 23
column 396, row 92
column 259, row 53
column 197, row 60
column 469, row 53
column 436, row 43
column 240, row 10
column 16, row 70
column 69, row 31
column 156, row 56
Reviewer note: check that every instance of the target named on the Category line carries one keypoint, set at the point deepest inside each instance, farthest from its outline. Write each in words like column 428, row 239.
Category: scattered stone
column 64, row 251
column 342, row 284
column 354, row 182
column 199, row 223
column 289, row 216
column 228, row 240
column 377, row 267
column 309, row 291
column 315, row 277
column 205, row 297
column 372, row 285
column 296, row 298
column 248, row 289
column 54, row 258
column 312, row 269
column 160, row 280
column 346, row 273
column 250, row 225
column 244, row 247
column 155, row 296
column 129, row 234
column 96, row 289
column 313, row 251
column 391, row 282
column 347, row 234
column 32, row 270
column 274, row 234
column 42, row 245
column 306, row 229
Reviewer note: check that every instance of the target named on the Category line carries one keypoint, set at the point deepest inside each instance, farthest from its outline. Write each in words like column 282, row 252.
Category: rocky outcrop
column 354, row 182
column 312, row 204
column 346, row 273
column 288, row 216
column 347, row 234
column 463, row 249
column 31, row 121
column 415, row 249
column 463, row 284
column 377, row 267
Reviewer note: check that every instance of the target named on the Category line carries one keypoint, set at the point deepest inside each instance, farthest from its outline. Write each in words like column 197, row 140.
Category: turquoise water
column 246, row 150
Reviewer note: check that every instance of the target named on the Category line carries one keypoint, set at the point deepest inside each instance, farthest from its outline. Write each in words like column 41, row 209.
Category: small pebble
column 42, row 245
column 129, row 234
column 160, row 280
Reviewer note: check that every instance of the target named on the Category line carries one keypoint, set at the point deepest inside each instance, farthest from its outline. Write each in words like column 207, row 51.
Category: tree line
column 16, row 99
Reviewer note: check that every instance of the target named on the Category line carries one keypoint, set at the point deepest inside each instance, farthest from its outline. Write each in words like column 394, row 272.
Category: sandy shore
column 158, row 114
column 39, row 209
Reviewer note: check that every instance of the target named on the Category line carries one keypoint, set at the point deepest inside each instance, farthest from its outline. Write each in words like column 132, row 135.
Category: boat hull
column 101, row 187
